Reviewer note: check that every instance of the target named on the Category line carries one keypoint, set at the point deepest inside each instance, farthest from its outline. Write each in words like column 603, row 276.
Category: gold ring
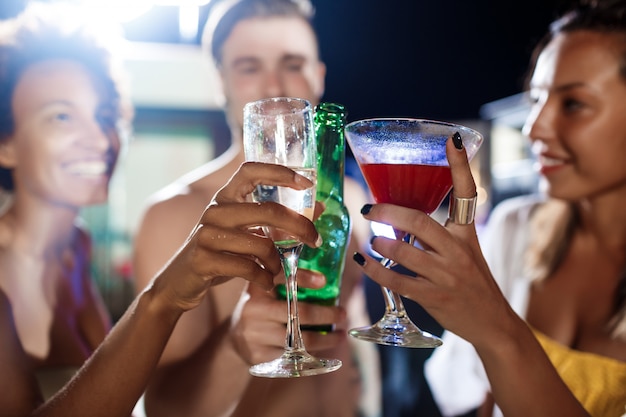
column 462, row 210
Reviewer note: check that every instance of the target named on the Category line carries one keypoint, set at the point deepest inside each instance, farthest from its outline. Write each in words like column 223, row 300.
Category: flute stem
column 289, row 258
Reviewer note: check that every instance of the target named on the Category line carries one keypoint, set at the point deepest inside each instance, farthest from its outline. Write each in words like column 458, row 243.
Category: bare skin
column 62, row 160
column 222, row 245
column 205, row 365
column 472, row 308
column 578, row 94
column 592, row 176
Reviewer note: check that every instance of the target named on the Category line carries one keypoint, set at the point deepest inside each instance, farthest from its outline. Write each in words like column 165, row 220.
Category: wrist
column 159, row 302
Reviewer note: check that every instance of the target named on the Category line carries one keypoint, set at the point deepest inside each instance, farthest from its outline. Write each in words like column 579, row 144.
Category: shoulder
column 177, row 201
column 170, row 218
column 191, row 193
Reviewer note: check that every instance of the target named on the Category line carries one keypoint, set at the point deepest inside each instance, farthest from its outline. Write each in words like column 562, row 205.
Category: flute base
column 294, row 365
column 399, row 331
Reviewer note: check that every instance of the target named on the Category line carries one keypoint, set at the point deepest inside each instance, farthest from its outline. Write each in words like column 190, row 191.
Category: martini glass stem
column 393, row 303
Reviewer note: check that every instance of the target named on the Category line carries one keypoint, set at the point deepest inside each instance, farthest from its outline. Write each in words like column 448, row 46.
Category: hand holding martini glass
column 404, row 163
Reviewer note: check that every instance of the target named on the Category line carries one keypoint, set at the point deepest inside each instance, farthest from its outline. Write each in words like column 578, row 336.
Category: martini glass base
column 396, row 331
column 294, row 365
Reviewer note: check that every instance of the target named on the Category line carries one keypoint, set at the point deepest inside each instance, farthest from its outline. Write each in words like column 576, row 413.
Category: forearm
column 523, row 380
column 114, row 378
column 209, row 382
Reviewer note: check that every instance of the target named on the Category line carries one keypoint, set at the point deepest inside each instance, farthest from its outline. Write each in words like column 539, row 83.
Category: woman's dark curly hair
column 46, row 31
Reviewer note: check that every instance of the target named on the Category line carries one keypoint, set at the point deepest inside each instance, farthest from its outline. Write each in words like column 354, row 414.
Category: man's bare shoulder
column 194, row 190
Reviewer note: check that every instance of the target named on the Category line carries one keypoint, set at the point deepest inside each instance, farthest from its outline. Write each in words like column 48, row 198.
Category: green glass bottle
column 334, row 223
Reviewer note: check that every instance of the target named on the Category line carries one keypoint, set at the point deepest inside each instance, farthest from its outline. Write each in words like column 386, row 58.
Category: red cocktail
column 404, row 163
column 416, row 186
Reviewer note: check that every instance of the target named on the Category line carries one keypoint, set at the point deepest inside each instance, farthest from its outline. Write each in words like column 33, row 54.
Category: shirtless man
column 262, row 48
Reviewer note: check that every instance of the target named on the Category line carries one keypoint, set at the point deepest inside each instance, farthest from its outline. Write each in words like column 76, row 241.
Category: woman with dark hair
column 224, row 244
column 558, row 346
column 63, row 116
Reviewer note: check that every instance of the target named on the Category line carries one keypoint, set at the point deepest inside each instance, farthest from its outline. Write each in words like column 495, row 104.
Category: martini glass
column 404, row 163
column 280, row 131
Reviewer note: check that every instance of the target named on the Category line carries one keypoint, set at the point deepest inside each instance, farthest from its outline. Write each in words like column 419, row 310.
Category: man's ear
column 7, row 153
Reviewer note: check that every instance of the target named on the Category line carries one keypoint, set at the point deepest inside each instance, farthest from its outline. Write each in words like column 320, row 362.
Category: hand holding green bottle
column 334, row 223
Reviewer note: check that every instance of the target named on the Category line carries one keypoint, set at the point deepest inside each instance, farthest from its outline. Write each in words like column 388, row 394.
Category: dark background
column 438, row 59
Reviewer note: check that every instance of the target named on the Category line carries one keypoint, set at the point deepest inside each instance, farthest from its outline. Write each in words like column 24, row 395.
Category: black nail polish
column 366, row 208
column 358, row 258
column 456, row 139
column 372, row 240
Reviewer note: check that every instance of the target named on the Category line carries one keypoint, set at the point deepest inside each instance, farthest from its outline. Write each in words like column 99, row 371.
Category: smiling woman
column 63, row 114
column 59, row 140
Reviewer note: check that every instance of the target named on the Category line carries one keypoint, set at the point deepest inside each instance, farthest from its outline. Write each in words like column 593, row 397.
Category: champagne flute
column 280, row 131
column 404, row 163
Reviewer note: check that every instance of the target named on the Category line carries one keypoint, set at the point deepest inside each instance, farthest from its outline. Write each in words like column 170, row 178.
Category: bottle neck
column 330, row 120
column 331, row 165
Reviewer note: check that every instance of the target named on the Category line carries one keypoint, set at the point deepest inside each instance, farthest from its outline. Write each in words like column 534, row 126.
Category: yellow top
column 598, row 382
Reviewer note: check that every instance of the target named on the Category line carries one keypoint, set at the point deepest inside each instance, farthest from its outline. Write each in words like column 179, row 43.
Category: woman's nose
column 99, row 136
column 539, row 124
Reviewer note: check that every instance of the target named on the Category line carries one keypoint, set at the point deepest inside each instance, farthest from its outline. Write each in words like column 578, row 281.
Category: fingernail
column 366, row 208
column 372, row 240
column 319, row 241
column 358, row 258
column 303, row 181
column 456, row 139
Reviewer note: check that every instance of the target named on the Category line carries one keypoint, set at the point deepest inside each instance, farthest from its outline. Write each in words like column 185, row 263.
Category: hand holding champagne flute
column 280, row 131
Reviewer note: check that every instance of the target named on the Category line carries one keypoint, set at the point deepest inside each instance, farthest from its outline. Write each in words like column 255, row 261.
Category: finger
column 221, row 266
column 245, row 216
column 426, row 230
column 462, row 179
column 410, row 287
column 319, row 209
column 251, row 174
column 216, row 239
column 311, row 314
column 257, row 293
column 310, row 279
column 426, row 264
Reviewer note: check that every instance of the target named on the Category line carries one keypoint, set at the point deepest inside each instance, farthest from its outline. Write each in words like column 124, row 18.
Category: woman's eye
column 572, row 104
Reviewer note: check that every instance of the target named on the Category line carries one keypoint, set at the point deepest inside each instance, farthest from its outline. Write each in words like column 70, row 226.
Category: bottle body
column 334, row 223
column 329, row 259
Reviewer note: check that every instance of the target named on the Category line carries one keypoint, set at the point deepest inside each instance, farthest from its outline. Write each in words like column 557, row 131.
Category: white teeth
column 88, row 168
column 549, row 162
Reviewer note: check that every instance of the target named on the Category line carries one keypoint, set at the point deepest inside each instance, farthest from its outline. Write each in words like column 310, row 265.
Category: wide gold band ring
column 462, row 210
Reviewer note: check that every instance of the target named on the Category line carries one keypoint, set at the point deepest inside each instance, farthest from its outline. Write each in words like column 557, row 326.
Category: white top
column 454, row 372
